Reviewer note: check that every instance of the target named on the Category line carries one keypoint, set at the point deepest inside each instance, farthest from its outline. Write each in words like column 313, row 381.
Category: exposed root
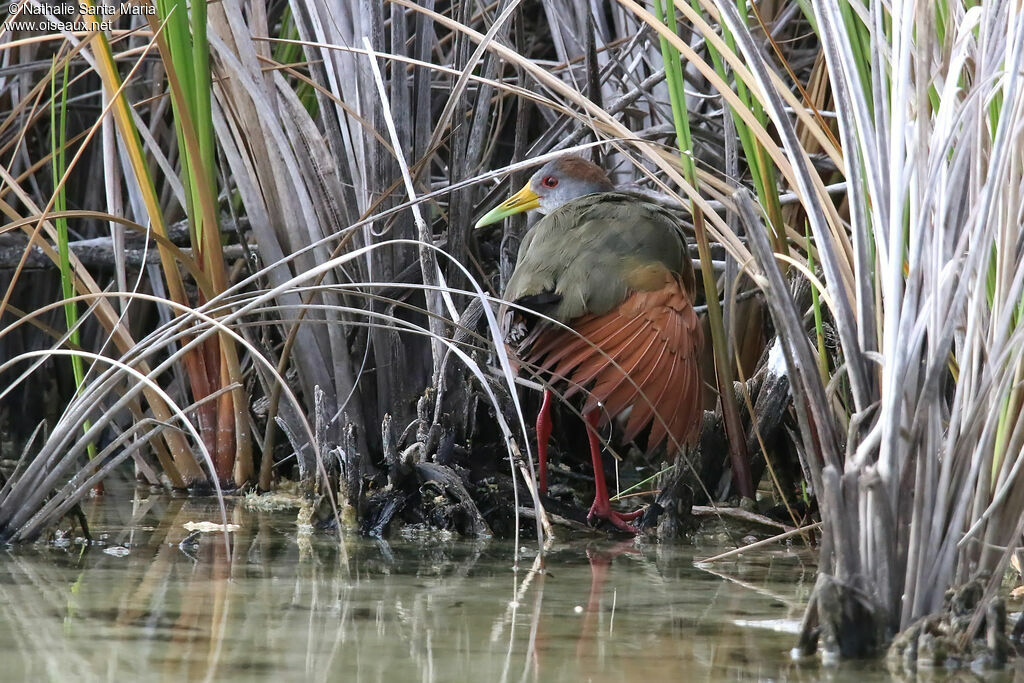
column 945, row 639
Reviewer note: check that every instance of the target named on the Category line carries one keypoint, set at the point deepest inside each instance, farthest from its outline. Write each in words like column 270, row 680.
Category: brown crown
column 572, row 166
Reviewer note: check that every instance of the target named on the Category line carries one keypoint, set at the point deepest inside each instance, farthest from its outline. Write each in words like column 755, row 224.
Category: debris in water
column 210, row 527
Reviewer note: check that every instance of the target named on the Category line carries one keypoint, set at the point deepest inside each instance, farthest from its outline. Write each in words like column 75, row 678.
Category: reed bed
column 287, row 191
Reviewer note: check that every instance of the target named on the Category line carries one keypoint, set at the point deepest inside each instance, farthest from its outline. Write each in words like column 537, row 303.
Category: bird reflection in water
column 600, row 557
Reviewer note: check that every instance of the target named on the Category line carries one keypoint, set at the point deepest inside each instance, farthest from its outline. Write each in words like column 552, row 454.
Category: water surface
column 422, row 606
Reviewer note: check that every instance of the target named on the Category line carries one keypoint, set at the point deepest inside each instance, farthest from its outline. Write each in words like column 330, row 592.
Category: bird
column 601, row 301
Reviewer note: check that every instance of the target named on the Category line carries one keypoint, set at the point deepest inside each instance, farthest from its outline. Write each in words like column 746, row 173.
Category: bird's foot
column 621, row 520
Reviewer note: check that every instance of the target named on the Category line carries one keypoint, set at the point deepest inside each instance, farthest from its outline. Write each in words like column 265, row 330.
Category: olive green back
column 593, row 251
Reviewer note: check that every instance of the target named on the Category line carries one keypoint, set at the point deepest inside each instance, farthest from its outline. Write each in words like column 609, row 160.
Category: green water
column 419, row 607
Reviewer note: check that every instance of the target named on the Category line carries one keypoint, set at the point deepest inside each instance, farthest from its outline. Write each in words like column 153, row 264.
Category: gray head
column 566, row 178
column 559, row 181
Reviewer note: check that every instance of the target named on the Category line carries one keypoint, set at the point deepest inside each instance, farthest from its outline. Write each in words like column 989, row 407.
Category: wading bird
column 608, row 289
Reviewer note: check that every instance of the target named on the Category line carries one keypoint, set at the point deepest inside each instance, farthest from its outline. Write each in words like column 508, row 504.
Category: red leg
column 602, row 507
column 543, row 434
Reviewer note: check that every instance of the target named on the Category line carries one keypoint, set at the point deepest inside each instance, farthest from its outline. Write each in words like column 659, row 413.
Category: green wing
column 592, row 252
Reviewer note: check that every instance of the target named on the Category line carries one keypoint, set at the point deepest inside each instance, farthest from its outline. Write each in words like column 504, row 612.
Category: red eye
column 549, row 181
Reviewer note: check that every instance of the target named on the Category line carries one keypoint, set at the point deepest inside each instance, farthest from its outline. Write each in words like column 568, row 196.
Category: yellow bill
column 524, row 200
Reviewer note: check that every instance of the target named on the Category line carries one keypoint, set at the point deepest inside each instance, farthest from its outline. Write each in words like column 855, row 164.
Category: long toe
column 621, row 520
